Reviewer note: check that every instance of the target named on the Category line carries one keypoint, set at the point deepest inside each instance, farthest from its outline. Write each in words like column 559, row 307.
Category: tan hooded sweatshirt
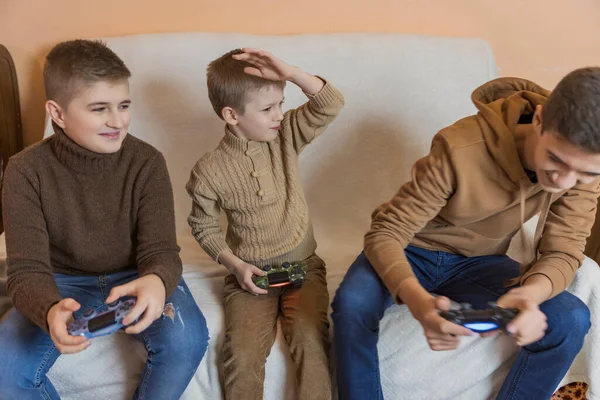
column 471, row 194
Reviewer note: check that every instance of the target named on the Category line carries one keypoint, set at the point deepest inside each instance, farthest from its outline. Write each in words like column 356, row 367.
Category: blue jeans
column 362, row 298
column 176, row 342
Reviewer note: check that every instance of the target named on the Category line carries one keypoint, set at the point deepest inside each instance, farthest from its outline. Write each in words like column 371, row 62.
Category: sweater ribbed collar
column 239, row 147
column 82, row 160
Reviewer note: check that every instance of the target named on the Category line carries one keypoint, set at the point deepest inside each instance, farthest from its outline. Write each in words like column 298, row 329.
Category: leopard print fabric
column 572, row 391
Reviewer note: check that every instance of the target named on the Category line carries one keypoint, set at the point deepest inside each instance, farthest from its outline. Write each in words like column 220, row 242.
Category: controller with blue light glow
column 481, row 321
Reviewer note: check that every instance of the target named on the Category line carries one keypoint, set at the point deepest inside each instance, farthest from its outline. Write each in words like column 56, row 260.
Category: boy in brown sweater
column 527, row 151
column 253, row 176
column 88, row 215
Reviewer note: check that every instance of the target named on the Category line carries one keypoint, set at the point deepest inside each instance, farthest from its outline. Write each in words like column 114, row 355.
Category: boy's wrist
column 229, row 260
column 308, row 83
column 415, row 297
column 49, row 315
column 295, row 75
column 158, row 279
column 537, row 288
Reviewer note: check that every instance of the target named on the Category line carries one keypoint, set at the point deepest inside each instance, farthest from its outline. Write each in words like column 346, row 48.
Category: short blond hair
column 228, row 84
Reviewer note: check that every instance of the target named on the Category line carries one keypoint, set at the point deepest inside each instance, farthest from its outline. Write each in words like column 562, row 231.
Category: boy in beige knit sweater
column 253, row 176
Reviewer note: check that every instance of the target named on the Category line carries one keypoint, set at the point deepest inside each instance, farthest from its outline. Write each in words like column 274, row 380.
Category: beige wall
column 537, row 39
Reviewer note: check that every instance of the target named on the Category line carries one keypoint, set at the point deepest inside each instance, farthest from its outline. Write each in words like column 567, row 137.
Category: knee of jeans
column 351, row 301
column 578, row 320
column 197, row 353
column 574, row 321
column 191, row 342
column 197, row 345
column 361, row 287
column 188, row 353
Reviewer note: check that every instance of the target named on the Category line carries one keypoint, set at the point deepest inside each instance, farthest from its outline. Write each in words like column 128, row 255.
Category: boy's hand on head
column 530, row 324
column 243, row 272
column 441, row 334
column 266, row 65
column 57, row 318
column 150, row 294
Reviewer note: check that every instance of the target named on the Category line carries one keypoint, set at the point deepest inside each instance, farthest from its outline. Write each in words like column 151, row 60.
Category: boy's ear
column 537, row 120
column 55, row 112
column 229, row 115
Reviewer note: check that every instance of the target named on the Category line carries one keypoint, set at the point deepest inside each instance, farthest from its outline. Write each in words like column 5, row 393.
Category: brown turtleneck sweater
column 258, row 186
column 71, row 211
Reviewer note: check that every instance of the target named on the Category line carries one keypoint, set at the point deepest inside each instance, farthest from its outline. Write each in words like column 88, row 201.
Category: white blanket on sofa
column 399, row 89
column 111, row 367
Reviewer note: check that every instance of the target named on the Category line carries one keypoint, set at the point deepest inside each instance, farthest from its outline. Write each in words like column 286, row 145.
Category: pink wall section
column 540, row 40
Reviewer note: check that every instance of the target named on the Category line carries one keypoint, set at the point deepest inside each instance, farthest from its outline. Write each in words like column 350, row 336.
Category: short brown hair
column 573, row 109
column 228, row 84
column 75, row 62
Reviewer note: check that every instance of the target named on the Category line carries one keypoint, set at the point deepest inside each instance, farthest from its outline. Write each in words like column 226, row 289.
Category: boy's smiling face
column 97, row 118
column 559, row 164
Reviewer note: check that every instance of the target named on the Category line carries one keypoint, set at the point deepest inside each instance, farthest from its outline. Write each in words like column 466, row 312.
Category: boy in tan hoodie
column 527, row 151
column 253, row 176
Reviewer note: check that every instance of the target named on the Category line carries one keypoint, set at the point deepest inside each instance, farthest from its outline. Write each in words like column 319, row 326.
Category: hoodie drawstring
column 531, row 247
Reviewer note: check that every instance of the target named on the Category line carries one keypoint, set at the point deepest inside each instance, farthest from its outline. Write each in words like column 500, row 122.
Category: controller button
column 88, row 313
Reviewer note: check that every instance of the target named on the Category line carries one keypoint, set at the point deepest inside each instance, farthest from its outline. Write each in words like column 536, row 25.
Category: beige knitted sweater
column 258, row 186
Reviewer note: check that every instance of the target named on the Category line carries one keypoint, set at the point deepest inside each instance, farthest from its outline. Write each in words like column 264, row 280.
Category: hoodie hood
column 501, row 103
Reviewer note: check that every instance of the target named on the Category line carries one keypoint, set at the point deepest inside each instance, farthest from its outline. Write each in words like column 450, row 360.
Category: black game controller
column 481, row 321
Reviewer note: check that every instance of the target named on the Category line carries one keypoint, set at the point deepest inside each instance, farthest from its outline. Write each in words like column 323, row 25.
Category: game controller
column 481, row 321
column 283, row 275
column 93, row 324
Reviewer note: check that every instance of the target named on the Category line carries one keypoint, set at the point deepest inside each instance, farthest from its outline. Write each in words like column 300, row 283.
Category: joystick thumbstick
column 88, row 313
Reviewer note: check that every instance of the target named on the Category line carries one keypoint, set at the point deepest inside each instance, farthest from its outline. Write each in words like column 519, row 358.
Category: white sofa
column 400, row 90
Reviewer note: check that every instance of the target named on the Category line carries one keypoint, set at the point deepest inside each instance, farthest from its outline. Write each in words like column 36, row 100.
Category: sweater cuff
column 555, row 276
column 167, row 266
column 34, row 302
column 214, row 246
column 393, row 277
column 391, row 265
column 327, row 95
